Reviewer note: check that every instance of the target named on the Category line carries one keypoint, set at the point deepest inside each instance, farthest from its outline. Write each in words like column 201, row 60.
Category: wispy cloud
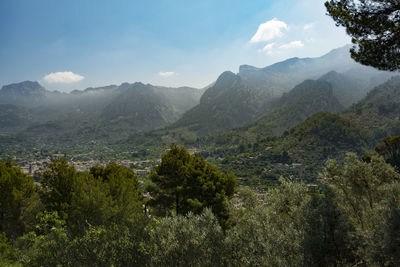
column 166, row 74
column 268, row 48
column 63, row 77
column 294, row 44
column 269, row 30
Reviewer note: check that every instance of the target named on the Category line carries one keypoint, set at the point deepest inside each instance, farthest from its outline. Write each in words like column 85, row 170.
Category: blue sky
column 73, row 44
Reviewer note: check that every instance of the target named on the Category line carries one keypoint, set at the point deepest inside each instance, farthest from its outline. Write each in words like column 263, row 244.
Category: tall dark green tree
column 374, row 26
column 168, row 180
column 58, row 186
column 185, row 183
column 121, row 186
column 103, row 196
column 19, row 201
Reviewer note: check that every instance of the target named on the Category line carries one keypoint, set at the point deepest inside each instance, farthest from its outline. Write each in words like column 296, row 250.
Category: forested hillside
column 301, row 102
column 378, row 113
column 299, row 152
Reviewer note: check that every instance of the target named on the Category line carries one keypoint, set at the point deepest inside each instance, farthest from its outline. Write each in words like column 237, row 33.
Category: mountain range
column 236, row 100
column 105, row 113
column 236, row 111
column 301, row 150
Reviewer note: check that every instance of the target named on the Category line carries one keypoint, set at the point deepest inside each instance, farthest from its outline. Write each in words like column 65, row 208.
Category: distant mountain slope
column 106, row 113
column 183, row 98
column 301, row 152
column 282, row 76
column 239, row 99
column 12, row 118
column 26, row 93
column 348, row 90
column 301, row 102
column 229, row 103
column 324, row 129
column 139, row 106
column 379, row 112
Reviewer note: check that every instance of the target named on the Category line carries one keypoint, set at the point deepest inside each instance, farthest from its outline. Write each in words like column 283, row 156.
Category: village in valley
column 37, row 162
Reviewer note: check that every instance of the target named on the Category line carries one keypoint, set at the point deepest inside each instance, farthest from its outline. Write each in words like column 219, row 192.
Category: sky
column 75, row 44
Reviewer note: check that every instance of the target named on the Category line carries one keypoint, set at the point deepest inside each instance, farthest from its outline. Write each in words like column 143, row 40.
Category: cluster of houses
column 141, row 167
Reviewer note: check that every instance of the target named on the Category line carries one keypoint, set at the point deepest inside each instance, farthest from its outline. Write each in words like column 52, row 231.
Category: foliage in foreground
column 352, row 218
column 184, row 183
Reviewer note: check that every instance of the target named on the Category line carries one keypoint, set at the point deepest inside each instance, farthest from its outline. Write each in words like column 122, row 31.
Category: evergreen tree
column 374, row 28
column 57, row 186
column 19, row 201
column 106, row 195
column 185, row 183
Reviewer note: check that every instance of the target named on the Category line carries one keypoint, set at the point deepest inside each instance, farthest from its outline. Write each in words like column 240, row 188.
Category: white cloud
column 294, row 44
column 269, row 30
column 268, row 48
column 63, row 77
column 308, row 26
column 166, row 74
